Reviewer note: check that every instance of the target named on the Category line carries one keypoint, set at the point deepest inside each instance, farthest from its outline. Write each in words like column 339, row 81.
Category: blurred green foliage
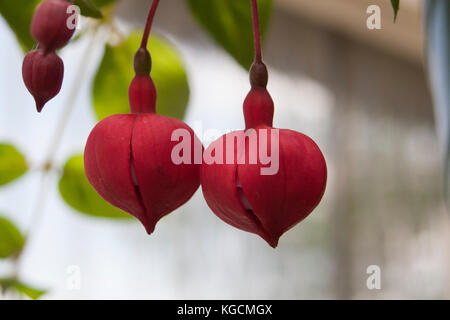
column 115, row 73
column 8, row 284
column 77, row 192
column 395, row 6
column 229, row 22
column 11, row 240
column 18, row 15
column 12, row 163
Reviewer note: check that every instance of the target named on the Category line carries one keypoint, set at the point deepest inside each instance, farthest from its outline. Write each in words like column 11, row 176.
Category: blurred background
column 361, row 94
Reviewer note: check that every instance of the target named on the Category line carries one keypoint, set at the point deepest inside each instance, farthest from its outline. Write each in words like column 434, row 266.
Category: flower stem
column 256, row 31
column 148, row 26
column 44, row 183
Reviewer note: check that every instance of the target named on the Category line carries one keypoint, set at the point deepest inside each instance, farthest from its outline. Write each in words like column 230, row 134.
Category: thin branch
column 149, row 24
column 44, row 184
column 256, row 31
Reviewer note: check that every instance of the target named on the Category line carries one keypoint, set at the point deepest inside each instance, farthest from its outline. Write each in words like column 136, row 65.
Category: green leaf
column 229, row 22
column 13, row 284
column 103, row 3
column 18, row 15
column 77, row 192
column 395, row 6
column 110, row 88
column 88, row 9
column 12, row 164
column 11, row 240
column 30, row 292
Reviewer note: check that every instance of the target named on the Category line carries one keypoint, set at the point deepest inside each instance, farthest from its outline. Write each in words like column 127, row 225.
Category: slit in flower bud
column 242, row 196
column 149, row 227
column 273, row 242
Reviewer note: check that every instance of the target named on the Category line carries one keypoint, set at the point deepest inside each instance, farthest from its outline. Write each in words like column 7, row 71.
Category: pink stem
column 256, row 31
column 148, row 26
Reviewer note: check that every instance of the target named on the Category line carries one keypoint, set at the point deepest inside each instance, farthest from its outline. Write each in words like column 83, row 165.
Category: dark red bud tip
column 259, row 76
column 53, row 24
column 142, row 62
column 258, row 108
column 149, row 227
column 43, row 75
column 142, row 95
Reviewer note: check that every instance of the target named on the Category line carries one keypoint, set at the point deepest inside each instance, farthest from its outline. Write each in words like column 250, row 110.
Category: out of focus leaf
column 12, row 164
column 110, row 88
column 30, row 292
column 18, row 14
column 77, row 192
column 11, row 240
column 437, row 48
column 229, row 22
column 102, row 3
column 395, row 6
column 21, row 288
column 88, row 9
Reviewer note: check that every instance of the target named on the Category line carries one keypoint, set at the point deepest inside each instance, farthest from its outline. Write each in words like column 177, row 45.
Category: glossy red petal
column 220, row 187
column 107, row 159
column 282, row 200
column 164, row 186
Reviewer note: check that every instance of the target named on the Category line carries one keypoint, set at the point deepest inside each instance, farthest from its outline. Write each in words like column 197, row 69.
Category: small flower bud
column 43, row 75
column 50, row 25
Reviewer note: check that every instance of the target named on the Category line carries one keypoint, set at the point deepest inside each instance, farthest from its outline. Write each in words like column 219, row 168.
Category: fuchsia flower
column 246, row 194
column 128, row 157
column 43, row 70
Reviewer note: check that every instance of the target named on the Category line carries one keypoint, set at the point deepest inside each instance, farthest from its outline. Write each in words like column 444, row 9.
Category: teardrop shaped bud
column 43, row 75
column 276, row 180
column 52, row 25
column 142, row 95
column 132, row 161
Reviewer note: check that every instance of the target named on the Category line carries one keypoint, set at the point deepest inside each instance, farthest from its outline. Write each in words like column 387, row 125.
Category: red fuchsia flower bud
column 43, row 75
column 50, row 25
column 142, row 91
column 129, row 159
column 142, row 94
column 275, row 179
